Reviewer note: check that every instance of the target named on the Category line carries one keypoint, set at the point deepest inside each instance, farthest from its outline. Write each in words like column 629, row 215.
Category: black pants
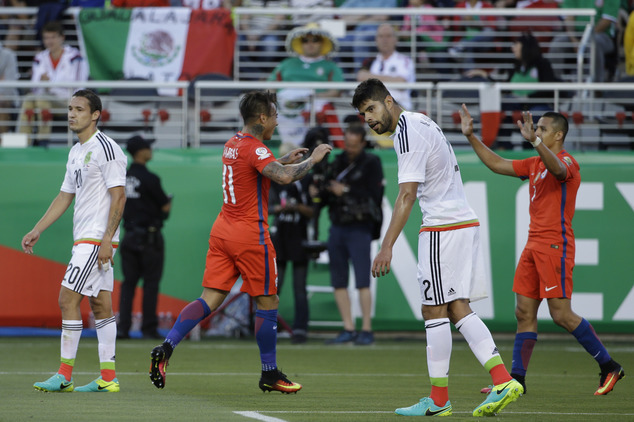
column 300, row 272
column 141, row 257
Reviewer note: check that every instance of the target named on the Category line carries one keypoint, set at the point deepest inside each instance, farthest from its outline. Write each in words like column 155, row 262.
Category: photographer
column 353, row 191
column 292, row 210
column 142, row 248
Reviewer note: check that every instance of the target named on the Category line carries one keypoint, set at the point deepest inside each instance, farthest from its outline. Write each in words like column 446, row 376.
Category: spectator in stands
column 140, row 3
column 428, row 30
column 479, row 30
column 57, row 63
column 311, row 46
column 389, row 65
column 361, row 29
column 529, row 66
column 8, row 96
column 604, row 33
column 259, row 38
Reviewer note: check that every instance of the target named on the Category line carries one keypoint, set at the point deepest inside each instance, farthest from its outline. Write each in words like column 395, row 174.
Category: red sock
column 108, row 374
column 66, row 370
column 499, row 374
column 439, row 395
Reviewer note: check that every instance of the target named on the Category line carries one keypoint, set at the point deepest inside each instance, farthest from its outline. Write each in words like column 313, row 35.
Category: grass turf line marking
column 258, row 416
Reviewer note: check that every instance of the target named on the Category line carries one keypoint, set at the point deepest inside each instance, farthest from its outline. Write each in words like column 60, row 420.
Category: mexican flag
column 156, row 43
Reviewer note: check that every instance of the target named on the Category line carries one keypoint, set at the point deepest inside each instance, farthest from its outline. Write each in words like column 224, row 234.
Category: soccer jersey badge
column 262, row 153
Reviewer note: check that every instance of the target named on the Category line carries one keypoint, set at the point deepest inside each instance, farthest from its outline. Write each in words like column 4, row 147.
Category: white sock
column 438, row 347
column 107, row 337
column 479, row 337
column 71, row 333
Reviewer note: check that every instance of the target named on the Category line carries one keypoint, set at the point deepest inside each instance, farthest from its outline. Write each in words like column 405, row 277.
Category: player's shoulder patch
column 262, row 153
column 567, row 160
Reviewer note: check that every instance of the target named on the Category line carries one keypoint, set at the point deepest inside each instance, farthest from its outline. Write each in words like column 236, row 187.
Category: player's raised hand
column 526, row 126
column 466, row 121
column 29, row 240
column 320, row 152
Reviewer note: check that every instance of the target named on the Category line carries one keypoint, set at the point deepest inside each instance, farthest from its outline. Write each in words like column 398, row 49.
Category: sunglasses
column 311, row 39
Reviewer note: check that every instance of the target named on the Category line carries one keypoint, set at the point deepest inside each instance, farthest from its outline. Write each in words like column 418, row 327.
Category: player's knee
column 523, row 316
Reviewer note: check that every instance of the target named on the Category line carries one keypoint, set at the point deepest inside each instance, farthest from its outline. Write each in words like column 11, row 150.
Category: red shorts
column 542, row 276
column 226, row 260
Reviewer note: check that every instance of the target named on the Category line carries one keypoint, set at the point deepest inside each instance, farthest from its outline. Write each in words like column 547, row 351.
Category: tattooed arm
column 117, row 203
column 285, row 174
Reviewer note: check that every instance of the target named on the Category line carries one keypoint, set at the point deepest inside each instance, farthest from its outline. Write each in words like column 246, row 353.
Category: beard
column 384, row 124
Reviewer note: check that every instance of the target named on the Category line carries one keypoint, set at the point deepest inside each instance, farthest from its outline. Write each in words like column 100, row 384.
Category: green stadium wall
column 604, row 228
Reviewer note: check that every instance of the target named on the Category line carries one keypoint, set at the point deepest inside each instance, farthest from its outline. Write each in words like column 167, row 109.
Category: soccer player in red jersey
column 544, row 270
column 239, row 243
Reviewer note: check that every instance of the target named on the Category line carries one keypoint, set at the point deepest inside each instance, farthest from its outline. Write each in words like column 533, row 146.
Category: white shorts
column 83, row 274
column 450, row 266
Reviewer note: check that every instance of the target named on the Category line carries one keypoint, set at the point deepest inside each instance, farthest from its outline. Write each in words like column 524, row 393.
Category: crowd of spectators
column 446, row 47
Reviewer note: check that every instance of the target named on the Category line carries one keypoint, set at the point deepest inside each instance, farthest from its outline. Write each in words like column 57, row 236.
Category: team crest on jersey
column 87, row 157
column 262, row 153
column 568, row 161
column 544, row 173
column 156, row 48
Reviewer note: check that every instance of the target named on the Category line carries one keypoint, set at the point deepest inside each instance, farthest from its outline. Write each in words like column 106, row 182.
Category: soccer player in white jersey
column 450, row 266
column 95, row 179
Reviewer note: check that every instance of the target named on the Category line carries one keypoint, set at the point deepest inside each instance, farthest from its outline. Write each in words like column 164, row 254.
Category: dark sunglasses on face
column 310, row 39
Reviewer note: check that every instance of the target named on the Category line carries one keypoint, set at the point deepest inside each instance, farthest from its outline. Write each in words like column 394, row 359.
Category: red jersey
column 552, row 205
column 245, row 211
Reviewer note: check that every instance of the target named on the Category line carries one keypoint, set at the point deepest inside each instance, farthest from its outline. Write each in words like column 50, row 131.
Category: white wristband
column 537, row 142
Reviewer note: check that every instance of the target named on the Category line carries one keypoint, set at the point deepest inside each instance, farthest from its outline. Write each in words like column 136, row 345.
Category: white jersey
column 71, row 67
column 426, row 157
column 397, row 65
column 92, row 168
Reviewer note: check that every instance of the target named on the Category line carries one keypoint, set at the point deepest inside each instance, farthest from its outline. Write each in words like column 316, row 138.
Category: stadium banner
column 603, row 225
column 156, row 43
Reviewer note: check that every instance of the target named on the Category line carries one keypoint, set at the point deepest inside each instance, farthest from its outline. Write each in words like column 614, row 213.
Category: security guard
column 142, row 249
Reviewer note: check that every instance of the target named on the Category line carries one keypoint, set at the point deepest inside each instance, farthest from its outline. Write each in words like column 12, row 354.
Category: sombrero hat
column 294, row 39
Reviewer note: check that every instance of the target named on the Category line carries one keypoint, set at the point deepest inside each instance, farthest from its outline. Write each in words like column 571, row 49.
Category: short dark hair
column 255, row 103
column 560, row 123
column 53, row 26
column 370, row 89
column 93, row 99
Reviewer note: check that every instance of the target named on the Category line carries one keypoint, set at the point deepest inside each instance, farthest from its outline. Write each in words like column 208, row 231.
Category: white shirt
column 71, row 67
column 92, row 168
column 426, row 157
column 397, row 65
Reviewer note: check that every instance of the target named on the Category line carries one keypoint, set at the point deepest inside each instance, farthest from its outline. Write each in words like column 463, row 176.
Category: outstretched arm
column 59, row 205
column 493, row 161
column 402, row 209
column 285, row 174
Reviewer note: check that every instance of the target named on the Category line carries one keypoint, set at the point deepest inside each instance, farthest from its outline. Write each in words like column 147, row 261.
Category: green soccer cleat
column 499, row 397
column 57, row 383
column 100, row 386
column 425, row 407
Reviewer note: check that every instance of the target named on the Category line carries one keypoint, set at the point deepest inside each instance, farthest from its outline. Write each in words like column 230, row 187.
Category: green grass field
column 216, row 380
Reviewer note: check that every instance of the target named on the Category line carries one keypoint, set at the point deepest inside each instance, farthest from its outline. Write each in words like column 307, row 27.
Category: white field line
column 258, row 416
